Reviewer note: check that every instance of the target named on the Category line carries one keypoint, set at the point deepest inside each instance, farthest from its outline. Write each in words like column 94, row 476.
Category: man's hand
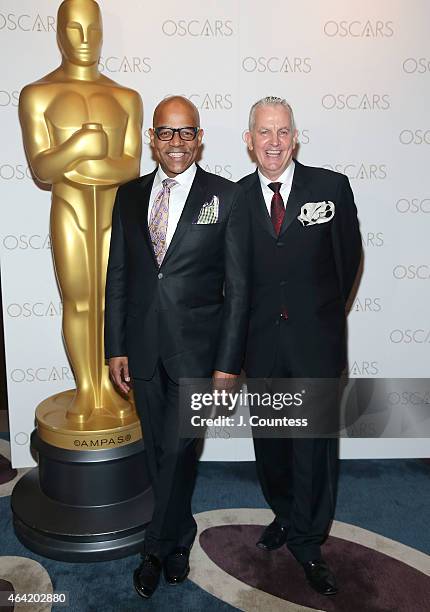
column 118, row 369
column 224, row 380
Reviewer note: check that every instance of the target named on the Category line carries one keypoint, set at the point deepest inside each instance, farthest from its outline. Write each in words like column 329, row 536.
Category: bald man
column 177, row 298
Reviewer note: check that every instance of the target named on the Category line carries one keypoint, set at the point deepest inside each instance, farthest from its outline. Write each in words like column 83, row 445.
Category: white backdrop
column 357, row 75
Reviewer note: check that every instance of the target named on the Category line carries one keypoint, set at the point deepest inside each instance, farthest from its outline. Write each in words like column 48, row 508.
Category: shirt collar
column 184, row 179
column 285, row 178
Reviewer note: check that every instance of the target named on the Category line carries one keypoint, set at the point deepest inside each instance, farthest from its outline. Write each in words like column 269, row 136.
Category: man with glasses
column 176, row 307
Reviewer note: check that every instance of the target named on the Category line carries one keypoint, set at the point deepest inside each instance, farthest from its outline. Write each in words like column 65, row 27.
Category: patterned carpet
column 371, row 580
column 379, row 547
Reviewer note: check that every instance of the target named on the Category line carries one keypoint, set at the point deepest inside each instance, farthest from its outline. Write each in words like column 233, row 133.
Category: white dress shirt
column 286, row 179
column 178, row 196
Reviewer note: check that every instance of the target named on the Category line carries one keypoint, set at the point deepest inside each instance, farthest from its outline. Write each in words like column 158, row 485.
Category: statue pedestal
column 101, row 431
column 80, row 504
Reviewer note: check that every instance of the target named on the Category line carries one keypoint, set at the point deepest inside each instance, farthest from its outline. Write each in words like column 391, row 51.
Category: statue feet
column 118, row 405
column 81, row 407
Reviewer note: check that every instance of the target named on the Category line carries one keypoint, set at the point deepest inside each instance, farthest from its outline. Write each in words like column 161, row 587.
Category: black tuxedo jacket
column 192, row 312
column 309, row 271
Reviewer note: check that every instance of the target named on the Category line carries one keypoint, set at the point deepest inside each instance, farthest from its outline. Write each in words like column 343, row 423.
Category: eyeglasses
column 185, row 133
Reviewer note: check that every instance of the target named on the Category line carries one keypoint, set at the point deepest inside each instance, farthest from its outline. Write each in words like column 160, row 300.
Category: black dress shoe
column 273, row 537
column 176, row 565
column 320, row 577
column 147, row 576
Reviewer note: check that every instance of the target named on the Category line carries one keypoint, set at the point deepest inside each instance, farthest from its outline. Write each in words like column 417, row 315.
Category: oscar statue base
column 83, row 505
column 101, row 430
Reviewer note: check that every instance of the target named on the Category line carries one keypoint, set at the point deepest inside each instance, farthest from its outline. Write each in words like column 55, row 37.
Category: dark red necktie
column 277, row 208
column 277, row 213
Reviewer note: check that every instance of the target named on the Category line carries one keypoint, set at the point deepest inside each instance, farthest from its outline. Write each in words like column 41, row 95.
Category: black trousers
column 298, row 476
column 172, row 463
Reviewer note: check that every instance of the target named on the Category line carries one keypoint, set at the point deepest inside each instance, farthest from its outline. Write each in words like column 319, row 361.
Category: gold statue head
column 79, row 31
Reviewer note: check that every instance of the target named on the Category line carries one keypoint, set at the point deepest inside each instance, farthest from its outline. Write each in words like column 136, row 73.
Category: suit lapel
column 192, row 206
column 299, row 194
column 143, row 197
column 260, row 207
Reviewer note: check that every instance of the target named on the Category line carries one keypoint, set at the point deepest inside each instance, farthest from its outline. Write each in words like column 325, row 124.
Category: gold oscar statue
column 82, row 135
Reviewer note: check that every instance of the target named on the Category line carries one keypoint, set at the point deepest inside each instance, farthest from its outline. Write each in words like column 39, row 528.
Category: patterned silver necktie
column 159, row 219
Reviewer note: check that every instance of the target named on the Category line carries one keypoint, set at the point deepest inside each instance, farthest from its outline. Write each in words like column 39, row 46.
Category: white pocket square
column 209, row 212
column 316, row 212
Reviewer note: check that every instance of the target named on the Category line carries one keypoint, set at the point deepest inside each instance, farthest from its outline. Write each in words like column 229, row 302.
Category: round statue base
column 83, row 505
column 103, row 429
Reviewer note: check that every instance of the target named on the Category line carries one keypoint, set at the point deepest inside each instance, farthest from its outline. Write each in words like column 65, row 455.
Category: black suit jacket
column 192, row 312
column 309, row 271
